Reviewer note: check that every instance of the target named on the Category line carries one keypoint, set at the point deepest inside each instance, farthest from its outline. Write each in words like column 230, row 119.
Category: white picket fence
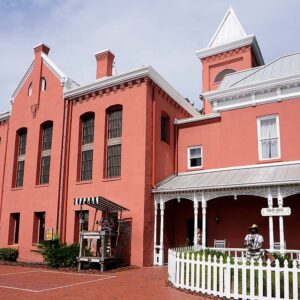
column 234, row 278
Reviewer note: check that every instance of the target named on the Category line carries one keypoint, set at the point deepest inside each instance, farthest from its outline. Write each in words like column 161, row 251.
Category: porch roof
column 244, row 176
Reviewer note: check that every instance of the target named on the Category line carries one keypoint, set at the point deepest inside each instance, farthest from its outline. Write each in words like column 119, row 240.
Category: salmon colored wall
column 237, row 59
column 31, row 197
column 231, row 140
column 119, row 190
column 164, row 152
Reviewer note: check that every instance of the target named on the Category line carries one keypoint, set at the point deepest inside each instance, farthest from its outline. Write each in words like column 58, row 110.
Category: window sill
column 111, row 179
column 266, row 161
column 195, row 168
column 14, row 246
column 17, row 188
column 41, row 185
column 84, row 182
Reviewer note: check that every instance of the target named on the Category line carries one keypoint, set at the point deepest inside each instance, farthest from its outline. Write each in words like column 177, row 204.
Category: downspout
column 66, row 171
column 176, row 148
column 153, row 135
column 61, row 168
column 2, row 183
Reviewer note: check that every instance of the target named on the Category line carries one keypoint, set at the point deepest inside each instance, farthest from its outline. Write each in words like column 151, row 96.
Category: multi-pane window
column 114, row 142
column 165, row 128
column 38, row 227
column 45, row 152
column 87, row 145
column 87, row 165
column 20, row 157
column 14, row 226
column 195, row 157
column 268, row 137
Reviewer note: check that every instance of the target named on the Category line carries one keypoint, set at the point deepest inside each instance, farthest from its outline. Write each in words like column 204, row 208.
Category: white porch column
column 203, row 221
column 161, row 246
column 271, row 227
column 155, row 234
column 281, row 228
column 196, row 205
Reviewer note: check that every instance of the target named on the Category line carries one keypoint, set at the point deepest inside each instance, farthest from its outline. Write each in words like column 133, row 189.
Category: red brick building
column 134, row 139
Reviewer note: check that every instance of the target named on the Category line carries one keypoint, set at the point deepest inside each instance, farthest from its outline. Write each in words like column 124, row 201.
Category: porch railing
column 233, row 278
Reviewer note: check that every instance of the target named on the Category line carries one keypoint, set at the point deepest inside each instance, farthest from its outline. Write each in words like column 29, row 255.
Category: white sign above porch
column 276, row 212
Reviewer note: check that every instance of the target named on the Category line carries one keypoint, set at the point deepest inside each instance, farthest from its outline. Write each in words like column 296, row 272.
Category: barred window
column 114, row 160
column 114, row 141
column 47, row 136
column 88, row 129
column 115, row 123
column 45, row 169
column 87, row 165
column 20, row 173
column 22, row 142
column 19, row 162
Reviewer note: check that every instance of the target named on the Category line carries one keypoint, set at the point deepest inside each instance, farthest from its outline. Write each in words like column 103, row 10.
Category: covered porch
column 223, row 203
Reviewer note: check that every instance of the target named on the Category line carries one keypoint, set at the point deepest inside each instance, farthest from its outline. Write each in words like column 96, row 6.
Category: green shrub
column 8, row 254
column 59, row 255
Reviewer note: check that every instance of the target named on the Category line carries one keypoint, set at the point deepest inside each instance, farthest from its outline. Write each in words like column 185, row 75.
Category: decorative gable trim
column 268, row 91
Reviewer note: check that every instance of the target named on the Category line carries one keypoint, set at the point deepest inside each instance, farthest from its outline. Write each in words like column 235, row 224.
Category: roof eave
column 135, row 74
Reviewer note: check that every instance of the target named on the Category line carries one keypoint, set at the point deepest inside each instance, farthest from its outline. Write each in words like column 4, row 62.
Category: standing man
column 254, row 242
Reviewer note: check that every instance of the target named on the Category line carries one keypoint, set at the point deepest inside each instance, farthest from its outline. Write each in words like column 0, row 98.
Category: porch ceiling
column 244, row 176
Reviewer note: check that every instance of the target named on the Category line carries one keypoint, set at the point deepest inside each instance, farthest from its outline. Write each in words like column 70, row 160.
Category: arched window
column 43, row 84
column 46, row 130
column 85, row 170
column 114, row 116
column 165, row 128
column 221, row 75
column 30, row 89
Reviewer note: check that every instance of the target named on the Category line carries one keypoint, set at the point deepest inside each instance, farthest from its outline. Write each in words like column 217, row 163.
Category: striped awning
column 100, row 203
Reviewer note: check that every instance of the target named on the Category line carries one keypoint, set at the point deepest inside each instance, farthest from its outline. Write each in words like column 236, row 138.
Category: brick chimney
column 105, row 61
column 41, row 48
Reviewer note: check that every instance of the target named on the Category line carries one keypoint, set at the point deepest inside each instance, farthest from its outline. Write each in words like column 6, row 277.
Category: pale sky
column 164, row 34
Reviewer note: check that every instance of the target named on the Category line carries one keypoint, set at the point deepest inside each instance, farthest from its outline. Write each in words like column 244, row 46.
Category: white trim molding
column 189, row 157
column 4, row 116
column 256, row 93
column 197, row 119
column 259, row 138
column 143, row 71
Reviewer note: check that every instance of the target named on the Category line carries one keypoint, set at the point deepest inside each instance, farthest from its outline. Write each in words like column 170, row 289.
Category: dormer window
column 43, row 84
column 30, row 89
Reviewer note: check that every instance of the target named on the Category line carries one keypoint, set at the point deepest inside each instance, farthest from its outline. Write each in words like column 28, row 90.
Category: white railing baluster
column 244, row 278
column 215, row 276
column 277, row 279
column 286, row 280
column 193, row 272
column 198, row 273
column 295, row 280
column 260, row 279
column 237, row 279
column 209, row 275
column 203, row 275
column 221, row 276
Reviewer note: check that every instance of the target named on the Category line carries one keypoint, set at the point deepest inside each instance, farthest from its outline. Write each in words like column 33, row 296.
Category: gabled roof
column 245, row 176
column 67, row 82
column 281, row 67
column 4, row 115
column 229, row 30
column 143, row 71
column 230, row 35
column 232, row 78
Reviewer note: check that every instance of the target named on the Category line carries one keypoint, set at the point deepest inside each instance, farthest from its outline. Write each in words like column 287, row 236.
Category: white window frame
column 259, row 119
column 189, row 157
